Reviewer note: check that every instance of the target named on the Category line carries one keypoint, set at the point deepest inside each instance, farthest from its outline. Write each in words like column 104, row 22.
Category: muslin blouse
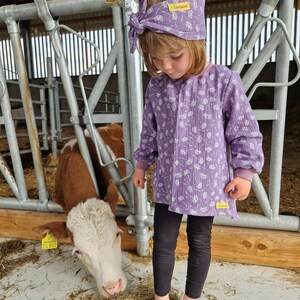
column 196, row 131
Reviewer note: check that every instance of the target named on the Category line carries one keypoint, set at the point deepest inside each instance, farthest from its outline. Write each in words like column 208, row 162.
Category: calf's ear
column 57, row 229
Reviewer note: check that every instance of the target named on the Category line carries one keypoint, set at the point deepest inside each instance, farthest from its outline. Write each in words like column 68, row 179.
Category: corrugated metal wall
column 227, row 25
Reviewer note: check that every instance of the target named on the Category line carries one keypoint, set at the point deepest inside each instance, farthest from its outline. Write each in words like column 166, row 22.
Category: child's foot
column 162, row 298
column 185, row 297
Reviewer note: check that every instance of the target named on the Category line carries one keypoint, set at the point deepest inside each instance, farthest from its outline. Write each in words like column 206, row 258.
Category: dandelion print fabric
column 196, row 131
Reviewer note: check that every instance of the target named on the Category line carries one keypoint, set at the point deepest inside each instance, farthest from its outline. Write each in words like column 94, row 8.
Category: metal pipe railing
column 56, row 8
column 131, row 100
column 14, row 34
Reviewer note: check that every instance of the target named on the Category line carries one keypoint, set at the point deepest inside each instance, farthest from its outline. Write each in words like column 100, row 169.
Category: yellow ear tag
column 49, row 242
column 220, row 205
column 111, row 1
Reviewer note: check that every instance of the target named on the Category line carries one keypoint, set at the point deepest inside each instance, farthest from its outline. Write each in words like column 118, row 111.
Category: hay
column 9, row 264
column 143, row 291
column 49, row 170
column 10, row 247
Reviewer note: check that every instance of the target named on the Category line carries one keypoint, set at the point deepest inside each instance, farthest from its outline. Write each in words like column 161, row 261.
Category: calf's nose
column 112, row 288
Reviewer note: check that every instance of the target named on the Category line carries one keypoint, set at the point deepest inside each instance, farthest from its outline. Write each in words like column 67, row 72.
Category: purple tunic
column 188, row 128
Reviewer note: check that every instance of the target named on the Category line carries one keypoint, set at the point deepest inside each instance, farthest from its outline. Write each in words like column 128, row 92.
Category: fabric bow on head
column 184, row 19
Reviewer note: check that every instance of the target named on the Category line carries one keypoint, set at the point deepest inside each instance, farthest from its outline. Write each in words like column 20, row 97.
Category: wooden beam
column 19, row 224
column 233, row 244
column 251, row 246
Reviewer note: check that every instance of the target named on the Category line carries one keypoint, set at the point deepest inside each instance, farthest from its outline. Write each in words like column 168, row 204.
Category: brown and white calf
column 94, row 231
column 73, row 181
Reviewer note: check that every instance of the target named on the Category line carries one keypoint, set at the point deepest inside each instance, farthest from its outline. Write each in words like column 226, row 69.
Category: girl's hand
column 238, row 188
column 138, row 178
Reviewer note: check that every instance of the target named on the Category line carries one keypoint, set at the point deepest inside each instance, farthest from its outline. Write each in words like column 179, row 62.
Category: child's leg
column 166, row 230
column 199, row 238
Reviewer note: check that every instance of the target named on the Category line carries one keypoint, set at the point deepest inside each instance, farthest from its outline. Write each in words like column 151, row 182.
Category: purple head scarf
column 184, row 19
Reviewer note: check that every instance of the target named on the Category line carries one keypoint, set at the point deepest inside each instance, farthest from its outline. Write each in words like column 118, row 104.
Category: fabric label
column 220, row 205
column 179, row 6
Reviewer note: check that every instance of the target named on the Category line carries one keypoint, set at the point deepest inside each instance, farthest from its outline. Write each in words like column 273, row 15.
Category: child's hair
column 150, row 44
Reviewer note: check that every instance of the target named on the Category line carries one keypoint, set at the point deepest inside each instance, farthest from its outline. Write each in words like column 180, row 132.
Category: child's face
column 174, row 64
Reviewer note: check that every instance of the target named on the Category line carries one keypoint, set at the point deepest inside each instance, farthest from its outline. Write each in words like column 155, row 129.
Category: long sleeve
column 147, row 151
column 241, row 128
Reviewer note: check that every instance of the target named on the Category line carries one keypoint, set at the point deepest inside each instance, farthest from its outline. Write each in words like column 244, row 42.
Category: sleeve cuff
column 142, row 165
column 244, row 173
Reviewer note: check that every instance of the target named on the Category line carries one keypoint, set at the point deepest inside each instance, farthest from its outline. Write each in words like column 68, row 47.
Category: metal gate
column 131, row 104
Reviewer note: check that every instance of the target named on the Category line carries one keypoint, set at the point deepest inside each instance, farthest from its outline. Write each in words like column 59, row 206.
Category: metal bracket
column 44, row 14
column 292, row 48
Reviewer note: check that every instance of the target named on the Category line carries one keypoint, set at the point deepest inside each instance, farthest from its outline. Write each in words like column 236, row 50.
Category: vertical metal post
column 18, row 187
column 44, row 127
column 280, row 101
column 123, row 94
column 27, row 47
column 136, row 105
column 14, row 33
column 50, row 81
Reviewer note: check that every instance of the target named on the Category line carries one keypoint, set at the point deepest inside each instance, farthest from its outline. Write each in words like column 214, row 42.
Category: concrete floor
column 56, row 275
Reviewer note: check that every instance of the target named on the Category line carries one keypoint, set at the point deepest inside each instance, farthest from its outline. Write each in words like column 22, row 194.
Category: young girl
column 198, row 126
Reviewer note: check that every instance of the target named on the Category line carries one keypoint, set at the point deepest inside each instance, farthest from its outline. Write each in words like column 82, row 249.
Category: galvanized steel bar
column 248, row 220
column 50, row 86
column 136, row 104
column 266, row 114
column 288, row 223
column 248, row 44
column 56, row 7
column 43, row 119
column 4, row 169
column 17, row 184
column 262, row 197
column 103, row 78
column 280, row 101
column 286, row 37
column 30, row 204
column 14, row 34
column 124, row 99
column 261, row 60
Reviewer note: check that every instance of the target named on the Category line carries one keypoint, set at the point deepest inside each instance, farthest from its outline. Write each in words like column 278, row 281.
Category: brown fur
column 73, row 183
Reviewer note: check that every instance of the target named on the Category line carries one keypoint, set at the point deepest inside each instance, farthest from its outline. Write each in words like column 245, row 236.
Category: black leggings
column 166, row 230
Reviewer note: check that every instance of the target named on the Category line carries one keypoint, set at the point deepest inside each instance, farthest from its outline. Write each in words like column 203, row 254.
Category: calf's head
column 97, row 243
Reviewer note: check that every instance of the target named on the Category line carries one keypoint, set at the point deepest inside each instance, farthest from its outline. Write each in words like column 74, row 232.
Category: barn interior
column 266, row 240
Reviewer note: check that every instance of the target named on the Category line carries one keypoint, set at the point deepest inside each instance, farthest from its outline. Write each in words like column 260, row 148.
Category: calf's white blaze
column 97, row 243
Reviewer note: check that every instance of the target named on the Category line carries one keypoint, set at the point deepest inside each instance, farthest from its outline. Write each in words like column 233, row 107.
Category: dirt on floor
column 28, row 272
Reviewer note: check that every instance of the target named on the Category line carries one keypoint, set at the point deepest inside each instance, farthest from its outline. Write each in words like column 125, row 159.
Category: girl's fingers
column 230, row 187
